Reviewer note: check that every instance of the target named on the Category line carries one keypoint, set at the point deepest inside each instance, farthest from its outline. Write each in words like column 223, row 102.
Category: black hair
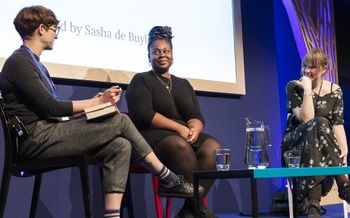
column 159, row 32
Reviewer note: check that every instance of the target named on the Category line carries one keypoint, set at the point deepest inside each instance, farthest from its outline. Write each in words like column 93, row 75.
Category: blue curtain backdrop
column 271, row 59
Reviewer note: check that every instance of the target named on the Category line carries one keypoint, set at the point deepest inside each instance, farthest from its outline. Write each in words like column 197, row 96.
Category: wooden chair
column 15, row 167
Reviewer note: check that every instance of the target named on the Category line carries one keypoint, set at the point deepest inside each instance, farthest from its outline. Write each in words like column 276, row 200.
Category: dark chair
column 14, row 167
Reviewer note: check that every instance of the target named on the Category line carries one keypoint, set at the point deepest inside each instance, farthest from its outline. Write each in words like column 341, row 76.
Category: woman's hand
column 344, row 156
column 112, row 95
column 183, row 132
column 192, row 136
column 195, row 128
column 305, row 83
column 98, row 95
column 340, row 135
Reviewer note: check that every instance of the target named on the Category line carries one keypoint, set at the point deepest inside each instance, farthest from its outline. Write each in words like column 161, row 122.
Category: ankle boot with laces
column 344, row 192
column 314, row 210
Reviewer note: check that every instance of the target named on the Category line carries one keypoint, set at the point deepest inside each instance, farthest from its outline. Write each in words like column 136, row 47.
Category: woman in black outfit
column 166, row 111
column 316, row 125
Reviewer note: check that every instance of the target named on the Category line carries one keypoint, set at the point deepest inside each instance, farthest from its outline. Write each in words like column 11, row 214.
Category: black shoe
column 314, row 211
column 185, row 213
column 344, row 192
column 206, row 213
column 182, row 189
column 203, row 213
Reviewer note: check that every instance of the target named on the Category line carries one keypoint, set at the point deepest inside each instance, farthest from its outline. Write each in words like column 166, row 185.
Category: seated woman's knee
column 214, row 143
column 321, row 121
column 119, row 118
column 178, row 142
column 123, row 146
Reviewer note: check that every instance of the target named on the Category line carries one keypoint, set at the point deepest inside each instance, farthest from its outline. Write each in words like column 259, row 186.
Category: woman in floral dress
column 315, row 125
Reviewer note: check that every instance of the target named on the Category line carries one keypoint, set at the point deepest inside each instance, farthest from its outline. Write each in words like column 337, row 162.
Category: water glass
column 222, row 157
column 292, row 158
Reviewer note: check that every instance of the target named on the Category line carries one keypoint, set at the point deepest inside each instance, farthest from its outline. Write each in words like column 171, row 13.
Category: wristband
column 309, row 93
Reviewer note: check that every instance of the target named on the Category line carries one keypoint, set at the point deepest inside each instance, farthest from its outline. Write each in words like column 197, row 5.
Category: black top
column 26, row 91
column 146, row 95
column 329, row 106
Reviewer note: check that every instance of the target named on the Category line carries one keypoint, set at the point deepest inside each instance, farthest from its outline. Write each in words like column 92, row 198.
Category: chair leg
column 157, row 200
column 345, row 209
column 127, row 201
column 290, row 199
column 84, row 177
column 35, row 196
column 5, row 184
column 168, row 207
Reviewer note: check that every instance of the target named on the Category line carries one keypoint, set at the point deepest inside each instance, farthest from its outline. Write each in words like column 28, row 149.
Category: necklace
column 319, row 92
column 168, row 85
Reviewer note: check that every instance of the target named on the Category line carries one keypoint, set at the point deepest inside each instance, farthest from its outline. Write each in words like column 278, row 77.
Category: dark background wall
column 271, row 59
column 342, row 24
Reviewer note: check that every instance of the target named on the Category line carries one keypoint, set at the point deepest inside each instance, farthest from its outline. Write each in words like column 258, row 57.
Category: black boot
column 344, row 192
column 314, row 211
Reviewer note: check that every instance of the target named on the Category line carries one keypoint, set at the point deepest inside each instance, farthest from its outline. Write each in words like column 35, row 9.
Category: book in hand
column 101, row 110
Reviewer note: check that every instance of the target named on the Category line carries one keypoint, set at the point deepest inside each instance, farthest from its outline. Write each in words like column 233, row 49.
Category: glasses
column 54, row 28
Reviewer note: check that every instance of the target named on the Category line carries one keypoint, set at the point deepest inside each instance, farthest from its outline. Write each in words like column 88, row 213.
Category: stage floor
column 333, row 211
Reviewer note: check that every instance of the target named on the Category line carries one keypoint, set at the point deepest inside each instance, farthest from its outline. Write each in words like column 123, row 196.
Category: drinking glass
column 222, row 157
column 292, row 158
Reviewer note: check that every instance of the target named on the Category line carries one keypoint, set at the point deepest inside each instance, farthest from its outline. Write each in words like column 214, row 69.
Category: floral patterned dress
column 316, row 137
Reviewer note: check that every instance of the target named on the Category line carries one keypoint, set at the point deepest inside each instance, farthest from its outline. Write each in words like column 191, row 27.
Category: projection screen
column 106, row 40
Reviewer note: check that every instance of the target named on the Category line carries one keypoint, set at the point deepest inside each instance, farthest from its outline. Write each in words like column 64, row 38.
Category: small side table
column 230, row 174
column 254, row 174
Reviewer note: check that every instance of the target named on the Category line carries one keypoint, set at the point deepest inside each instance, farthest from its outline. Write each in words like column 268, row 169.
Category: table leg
column 295, row 198
column 254, row 194
column 196, row 196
